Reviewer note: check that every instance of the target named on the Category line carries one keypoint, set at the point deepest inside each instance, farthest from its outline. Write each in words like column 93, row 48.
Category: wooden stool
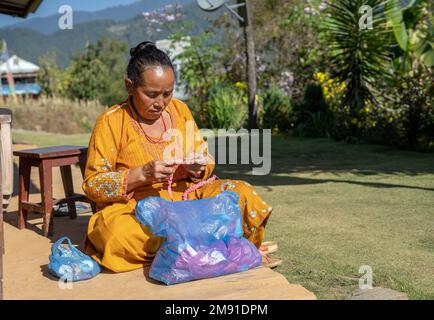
column 45, row 159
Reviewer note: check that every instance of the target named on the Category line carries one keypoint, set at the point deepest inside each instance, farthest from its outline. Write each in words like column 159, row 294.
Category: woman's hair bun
column 144, row 55
column 142, row 47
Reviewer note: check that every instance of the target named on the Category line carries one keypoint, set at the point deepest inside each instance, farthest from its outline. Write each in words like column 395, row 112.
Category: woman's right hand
column 153, row 171
column 158, row 171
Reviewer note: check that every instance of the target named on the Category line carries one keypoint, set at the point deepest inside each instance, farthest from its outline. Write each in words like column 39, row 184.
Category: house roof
column 18, row 65
column 20, row 8
column 173, row 48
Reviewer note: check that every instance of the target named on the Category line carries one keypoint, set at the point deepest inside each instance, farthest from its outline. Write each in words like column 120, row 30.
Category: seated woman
column 128, row 161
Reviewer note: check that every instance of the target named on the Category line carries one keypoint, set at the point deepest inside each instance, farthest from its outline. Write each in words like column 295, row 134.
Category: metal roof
column 17, row 65
column 19, row 8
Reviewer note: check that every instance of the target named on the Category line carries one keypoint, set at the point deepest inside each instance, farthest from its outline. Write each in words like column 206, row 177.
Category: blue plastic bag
column 204, row 238
column 69, row 263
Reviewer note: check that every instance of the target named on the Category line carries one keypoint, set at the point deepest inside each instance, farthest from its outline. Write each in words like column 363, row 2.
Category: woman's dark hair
column 144, row 55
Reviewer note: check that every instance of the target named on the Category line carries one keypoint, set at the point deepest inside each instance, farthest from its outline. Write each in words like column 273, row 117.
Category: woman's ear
column 129, row 86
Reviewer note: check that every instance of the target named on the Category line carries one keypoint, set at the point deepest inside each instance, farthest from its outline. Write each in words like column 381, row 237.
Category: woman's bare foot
column 269, row 262
column 268, row 247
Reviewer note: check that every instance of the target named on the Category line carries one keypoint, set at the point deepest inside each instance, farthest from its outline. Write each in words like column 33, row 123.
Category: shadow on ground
column 291, row 156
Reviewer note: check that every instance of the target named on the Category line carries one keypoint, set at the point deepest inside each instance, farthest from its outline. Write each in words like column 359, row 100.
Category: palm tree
column 360, row 56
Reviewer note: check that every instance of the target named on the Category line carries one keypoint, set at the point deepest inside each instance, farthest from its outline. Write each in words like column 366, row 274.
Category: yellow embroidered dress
column 115, row 238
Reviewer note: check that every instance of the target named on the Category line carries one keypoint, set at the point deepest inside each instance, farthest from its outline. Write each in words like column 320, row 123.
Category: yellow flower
column 354, row 121
column 320, row 76
column 332, row 88
column 241, row 85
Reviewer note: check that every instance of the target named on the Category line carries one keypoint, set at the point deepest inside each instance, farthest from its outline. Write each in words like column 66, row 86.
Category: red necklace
column 150, row 138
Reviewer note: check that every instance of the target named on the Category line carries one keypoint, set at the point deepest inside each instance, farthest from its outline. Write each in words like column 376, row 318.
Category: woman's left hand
column 195, row 165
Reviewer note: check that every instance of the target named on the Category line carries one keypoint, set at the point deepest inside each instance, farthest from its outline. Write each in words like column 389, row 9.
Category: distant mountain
column 31, row 45
column 48, row 25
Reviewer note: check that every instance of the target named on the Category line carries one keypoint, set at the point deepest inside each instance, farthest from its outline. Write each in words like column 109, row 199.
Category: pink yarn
column 189, row 190
column 197, row 186
column 169, row 187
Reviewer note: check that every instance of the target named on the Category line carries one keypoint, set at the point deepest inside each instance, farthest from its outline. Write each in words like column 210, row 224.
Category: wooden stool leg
column 93, row 205
column 83, row 169
column 82, row 164
column 46, row 177
column 23, row 190
column 68, row 186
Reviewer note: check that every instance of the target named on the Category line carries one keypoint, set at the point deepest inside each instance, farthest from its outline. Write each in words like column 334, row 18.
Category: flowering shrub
column 333, row 89
column 405, row 119
column 314, row 10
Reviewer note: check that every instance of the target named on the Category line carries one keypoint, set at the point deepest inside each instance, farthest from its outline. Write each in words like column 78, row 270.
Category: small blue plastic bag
column 204, row 238
column 69, row 263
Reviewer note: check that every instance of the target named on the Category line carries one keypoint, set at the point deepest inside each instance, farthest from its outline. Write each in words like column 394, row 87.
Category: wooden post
column 6, row 154
column 246, row 13
column 6, row 176
column 2, row 239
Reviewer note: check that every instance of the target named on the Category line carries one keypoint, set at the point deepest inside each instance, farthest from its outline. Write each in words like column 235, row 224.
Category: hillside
column 30, row 44
column 49, row 25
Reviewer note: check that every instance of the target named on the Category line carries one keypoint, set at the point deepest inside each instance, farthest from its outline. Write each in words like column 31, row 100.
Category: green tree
column 115, row 57
column 200, row 71
column 88, row 75
column 51, row 78
column 286, row 43
column 98, row 73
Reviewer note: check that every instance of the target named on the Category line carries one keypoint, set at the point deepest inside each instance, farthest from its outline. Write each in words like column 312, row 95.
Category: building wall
column 173, row 50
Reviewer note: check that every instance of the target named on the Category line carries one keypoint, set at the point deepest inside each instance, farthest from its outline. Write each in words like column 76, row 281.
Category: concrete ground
column 26, row 274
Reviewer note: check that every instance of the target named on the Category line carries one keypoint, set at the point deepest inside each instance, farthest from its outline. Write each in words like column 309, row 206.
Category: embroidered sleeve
column 103, row 182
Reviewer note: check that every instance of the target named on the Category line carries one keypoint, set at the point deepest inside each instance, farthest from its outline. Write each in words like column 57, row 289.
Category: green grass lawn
column 45, row 139
column 338, row 207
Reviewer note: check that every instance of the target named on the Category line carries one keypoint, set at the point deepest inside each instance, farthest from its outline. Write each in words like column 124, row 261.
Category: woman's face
column 154, row 92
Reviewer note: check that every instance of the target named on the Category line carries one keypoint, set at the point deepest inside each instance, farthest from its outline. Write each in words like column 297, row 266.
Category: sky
column 50, row 7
